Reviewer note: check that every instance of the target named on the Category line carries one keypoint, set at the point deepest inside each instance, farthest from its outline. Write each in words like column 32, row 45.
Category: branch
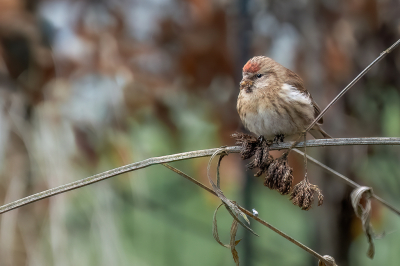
column 347, row 180
column 183, row 156
column 351, row 84
column 261, row 221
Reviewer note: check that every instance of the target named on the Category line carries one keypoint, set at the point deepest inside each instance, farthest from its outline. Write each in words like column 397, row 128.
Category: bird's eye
column 259, row 75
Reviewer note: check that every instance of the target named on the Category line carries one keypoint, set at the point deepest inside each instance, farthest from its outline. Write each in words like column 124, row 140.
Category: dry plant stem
column 229, row 205
column 184, row 156
column 348, row 87
column 258, row 219
column 305, row 157
column 179, row 172
column 347, row 180
column 351, row 84
column 297, row 243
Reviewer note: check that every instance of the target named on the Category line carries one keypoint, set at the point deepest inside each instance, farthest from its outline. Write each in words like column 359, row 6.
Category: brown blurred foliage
column 86, row 86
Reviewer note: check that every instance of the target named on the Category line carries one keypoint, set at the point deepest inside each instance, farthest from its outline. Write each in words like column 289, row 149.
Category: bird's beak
column 245, row 83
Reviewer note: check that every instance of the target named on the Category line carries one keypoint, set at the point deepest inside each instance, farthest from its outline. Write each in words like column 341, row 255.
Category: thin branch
column 351, row 84
column 348, row 181
column 183, row 156
column 261, row 221
column 179, row 172
column 348, row 87
column 294, row 241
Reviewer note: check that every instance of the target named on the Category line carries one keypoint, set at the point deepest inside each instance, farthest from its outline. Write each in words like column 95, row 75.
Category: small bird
column 273, row 102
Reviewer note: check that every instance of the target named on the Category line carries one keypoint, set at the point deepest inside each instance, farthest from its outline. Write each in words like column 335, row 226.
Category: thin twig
column 351, row 84
column 305, row 157
column 229, row 205
column 258, row 219
column 347, row 181
column 179, row 172
column 183, row 156
column 348, row 87
column 294, row 241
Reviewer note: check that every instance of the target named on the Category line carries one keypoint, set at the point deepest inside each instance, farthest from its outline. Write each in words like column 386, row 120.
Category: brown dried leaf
column 231, row 206
column 233, row 243
column 215, row 228
column 364, row 213
column 328, row 259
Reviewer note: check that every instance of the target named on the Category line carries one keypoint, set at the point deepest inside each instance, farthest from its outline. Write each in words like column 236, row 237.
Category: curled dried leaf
column 279, row 176
column 330, row 261
column 364, row 213
column 215, row 228
column 233, row 242
column 303, row 195
column 231, row 206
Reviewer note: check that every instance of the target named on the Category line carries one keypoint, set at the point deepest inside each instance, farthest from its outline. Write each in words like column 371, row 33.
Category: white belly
column 268, row 117
column 269, row 123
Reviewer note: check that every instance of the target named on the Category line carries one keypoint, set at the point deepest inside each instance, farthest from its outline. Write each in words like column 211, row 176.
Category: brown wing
column 296, row 81
column 317, row 111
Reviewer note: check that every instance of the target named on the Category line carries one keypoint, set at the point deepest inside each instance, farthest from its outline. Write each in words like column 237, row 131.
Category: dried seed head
column 258, row 156
column 279, row 176
column 254, row 147
column 303, row 195
column 248, row 143
column 262, row 160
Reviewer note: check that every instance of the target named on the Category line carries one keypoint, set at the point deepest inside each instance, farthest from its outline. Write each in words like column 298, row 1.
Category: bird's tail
column 318, row 133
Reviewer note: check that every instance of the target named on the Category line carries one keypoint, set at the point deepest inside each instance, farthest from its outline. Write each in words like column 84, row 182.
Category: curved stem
column 184, row 156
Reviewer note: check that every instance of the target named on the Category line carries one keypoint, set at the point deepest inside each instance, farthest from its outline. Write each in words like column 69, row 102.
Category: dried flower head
column 254, row 147
column 248, row 143
column 262, row 159
column 279, row 175
column 303, row 195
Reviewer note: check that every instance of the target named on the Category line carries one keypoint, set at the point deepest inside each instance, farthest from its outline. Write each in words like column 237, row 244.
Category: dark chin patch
column 249, row 90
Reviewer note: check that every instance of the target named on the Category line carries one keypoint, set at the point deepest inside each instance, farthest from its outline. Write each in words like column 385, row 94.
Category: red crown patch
column 251, row 67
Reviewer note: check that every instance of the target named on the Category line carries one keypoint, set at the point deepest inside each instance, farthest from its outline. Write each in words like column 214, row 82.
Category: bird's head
column 261, row 72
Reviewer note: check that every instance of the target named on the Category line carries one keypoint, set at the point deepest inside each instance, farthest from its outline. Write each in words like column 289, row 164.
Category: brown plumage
column 273, row 101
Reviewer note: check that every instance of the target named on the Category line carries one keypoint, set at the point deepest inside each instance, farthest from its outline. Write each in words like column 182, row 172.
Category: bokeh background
column 86, row 86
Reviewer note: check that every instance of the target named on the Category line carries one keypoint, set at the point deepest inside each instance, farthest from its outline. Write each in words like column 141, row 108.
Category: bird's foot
column 261, row 139
column 279, row 138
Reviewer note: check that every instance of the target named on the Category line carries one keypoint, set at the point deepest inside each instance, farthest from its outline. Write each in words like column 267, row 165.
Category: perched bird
column 273, row 102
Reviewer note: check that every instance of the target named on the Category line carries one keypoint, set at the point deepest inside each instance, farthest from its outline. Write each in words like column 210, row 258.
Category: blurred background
column 87, row 86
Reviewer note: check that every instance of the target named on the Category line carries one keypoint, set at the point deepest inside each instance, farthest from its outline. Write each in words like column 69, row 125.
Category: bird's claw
column 261, row 139
column 279, row 138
